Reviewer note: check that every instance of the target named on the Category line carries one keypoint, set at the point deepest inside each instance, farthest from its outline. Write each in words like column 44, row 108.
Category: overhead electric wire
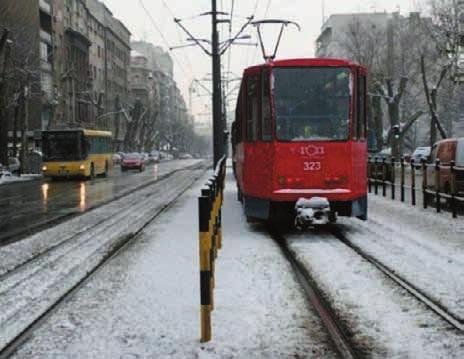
column 265, row 15
column 246, row 57
column 155, row 25
column 229, row 55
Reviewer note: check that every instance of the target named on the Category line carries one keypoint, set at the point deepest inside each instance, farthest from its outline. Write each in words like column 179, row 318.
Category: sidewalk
column 145, row 303
column 8, row 178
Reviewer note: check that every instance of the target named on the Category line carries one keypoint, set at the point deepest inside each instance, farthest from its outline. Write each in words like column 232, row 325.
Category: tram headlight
column 82, row 167
column 44, row 168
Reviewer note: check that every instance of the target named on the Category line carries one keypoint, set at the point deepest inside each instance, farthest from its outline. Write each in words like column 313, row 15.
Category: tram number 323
column 312, row 166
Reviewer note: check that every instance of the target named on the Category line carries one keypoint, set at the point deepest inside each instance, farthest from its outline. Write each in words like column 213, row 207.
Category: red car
column 133, row 161
column 300, row 132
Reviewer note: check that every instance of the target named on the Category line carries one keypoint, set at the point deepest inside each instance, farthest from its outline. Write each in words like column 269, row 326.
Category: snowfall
column 144, row 303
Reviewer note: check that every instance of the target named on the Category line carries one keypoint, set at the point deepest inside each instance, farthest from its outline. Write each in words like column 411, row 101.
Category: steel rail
column 4, row 276
column 403, row 283
column 122, row 243
column 323, row 309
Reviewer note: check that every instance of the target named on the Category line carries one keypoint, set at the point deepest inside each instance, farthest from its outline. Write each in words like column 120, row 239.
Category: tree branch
column 410, row 122
column 426, row 85
column 401, row 89
column 442, row 75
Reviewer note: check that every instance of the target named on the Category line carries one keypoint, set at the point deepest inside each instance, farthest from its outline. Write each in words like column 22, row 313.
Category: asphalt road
column 26, row 205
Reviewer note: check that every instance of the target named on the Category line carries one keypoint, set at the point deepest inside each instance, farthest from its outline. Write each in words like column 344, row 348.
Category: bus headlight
column 82, row 167
column 44, row 168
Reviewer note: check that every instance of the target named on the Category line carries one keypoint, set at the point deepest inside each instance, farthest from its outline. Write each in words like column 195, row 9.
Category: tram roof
column 307, row 62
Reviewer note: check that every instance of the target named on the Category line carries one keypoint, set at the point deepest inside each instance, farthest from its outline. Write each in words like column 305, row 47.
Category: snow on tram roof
column 306, row 62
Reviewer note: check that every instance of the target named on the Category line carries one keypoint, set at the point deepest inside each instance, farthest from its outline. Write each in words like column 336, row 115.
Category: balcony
column 45, row 6
column 45, row 66
column 46, row 37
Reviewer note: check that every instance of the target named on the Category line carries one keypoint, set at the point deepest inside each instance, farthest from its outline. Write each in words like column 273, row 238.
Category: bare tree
column 21, row 86
column 447, row 38
column 385, row 51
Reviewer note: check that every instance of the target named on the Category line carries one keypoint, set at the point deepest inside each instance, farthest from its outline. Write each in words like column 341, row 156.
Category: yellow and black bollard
column 205, row 267
column 210, row 224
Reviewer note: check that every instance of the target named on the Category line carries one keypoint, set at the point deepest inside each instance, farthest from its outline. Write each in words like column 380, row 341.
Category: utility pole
column 4, row 45
column 217, row 50
column 218, row 123
column 25, row 124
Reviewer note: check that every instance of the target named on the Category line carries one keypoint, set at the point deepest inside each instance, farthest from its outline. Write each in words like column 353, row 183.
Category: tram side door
column 359, row 134
column 258, row 168
column 264, row 148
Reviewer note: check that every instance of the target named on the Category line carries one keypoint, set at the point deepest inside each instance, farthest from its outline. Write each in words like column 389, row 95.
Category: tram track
column 338, row 329
column 21, row 233
column 120, row 205
column 113, row 247
column 402, row 282
column 323, row 309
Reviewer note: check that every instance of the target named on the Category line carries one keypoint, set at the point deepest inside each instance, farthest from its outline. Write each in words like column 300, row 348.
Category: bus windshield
column 63, row 146
column 312, row 103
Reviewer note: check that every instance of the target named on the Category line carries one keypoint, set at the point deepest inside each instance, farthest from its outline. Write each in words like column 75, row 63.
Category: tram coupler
column 312, row 211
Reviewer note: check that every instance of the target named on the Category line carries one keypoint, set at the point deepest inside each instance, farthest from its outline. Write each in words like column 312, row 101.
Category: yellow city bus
column 76, row 153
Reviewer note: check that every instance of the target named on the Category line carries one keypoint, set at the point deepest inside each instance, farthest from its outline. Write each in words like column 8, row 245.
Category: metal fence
column 433, row 182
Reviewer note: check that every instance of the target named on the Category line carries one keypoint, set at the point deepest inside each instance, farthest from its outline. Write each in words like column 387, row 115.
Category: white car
column 14, row 165
column 4, row 174
column 419, row 154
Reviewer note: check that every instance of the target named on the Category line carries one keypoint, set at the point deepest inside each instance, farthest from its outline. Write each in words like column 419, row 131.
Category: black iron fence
column 435, row 182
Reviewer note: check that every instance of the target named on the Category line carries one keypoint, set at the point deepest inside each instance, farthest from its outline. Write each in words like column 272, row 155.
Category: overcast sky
column 192, row 63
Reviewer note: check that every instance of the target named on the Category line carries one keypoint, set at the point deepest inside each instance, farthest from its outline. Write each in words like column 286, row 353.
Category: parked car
column 419, row 154
column 450, row 149
column 133, row 161
column 5, row 174
column 154, row 156
column 185, row 156
column 146, row 157
column 384, row 154
column 117, row 159
column 14, row 166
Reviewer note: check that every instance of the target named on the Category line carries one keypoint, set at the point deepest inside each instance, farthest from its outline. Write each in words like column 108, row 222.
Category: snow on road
column 27, row 293
column 422, row 247
column 383, row 320
column 19, row 252
column 145, row 302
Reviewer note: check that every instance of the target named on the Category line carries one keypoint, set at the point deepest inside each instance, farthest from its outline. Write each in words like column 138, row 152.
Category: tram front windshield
column 312, row 103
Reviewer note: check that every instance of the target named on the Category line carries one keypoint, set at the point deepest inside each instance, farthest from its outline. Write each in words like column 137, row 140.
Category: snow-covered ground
column 17, row 253
column 145, row 302
column 6, row 177
column 383, row 320
column 27, row 292
column 423, row 247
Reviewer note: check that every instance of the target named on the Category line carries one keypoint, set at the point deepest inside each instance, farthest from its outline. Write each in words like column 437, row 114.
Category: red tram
column 300, row 134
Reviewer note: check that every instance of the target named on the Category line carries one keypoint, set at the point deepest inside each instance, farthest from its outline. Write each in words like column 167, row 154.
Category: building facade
column 29, row 68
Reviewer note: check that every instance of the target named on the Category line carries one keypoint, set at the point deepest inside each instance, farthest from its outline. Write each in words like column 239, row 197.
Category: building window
column 43, row 51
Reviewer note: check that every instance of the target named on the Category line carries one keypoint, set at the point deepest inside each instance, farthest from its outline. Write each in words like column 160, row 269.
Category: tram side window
column 361, row 117
column 238, row 119
column 252, row 107
column 266, row 120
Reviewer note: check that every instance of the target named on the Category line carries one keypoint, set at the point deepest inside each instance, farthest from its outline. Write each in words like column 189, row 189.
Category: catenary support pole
column 218, row 123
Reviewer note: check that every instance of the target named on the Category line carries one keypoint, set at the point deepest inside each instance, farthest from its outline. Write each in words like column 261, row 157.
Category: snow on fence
column 210, row 230
column 438, row 181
